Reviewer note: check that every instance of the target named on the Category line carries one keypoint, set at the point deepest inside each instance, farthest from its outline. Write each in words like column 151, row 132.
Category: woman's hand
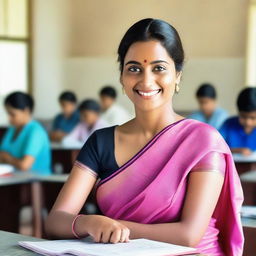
column 106, row 230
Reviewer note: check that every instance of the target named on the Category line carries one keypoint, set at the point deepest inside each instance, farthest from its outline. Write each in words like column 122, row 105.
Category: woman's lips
column 148, row 94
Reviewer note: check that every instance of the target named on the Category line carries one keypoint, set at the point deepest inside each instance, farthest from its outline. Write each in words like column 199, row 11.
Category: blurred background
column 50, row 46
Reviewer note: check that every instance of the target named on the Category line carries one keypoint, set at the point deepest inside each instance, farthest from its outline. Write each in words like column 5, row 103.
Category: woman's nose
column 147, row 78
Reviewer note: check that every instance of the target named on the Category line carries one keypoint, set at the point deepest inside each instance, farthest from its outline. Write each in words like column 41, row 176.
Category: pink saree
column 150, row 187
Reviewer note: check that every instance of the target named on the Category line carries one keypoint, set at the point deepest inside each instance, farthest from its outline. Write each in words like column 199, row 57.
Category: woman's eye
column 134, row 69
column 159, row 68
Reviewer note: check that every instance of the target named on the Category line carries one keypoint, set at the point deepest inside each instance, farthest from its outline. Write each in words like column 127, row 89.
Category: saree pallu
column 150, row 188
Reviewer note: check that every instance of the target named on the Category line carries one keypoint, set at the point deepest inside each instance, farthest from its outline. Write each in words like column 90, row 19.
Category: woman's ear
column 121, row 80
column 178, row 77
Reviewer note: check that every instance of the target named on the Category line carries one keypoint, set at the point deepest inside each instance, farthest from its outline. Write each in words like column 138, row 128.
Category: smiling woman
column 147, row 188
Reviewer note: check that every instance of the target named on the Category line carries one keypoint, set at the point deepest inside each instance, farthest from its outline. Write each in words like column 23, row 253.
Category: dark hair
column 68, row 96
column 246, row 100
column 89, row 104
column 19, row 100
column 108, row 91
column 206, row 90
column 153, row 29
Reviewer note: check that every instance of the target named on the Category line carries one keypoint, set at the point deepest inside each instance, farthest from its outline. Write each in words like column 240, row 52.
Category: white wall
column 251, row 49
column 227, row 74
column 51, row 19
column 86, row 76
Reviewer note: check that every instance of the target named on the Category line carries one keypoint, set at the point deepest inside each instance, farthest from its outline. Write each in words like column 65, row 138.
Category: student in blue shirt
column 66, row 121
column 240, row 131
column 25, row 144
column 209, row 112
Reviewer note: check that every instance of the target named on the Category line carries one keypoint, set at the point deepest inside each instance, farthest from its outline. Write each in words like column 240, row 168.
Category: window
column 14, row 46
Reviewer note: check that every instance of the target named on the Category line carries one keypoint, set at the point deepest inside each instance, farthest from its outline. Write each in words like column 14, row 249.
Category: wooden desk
column 10, row 188
column 9, row 244
column 249, row 227
column 63, row 157
column 244, row 163
column 10, row 202
column 248, row 181
column 249, row 177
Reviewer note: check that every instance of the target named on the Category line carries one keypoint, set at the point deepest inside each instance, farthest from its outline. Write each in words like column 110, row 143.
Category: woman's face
column 17, row 117
column 149, row 75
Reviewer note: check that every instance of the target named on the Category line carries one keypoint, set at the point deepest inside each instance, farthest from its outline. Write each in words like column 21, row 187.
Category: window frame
column 28, row 41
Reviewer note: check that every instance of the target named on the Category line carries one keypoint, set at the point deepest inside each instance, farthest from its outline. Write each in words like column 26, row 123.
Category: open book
column 86, row 247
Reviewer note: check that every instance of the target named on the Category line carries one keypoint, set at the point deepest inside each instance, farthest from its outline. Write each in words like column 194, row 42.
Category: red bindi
column 145, row 61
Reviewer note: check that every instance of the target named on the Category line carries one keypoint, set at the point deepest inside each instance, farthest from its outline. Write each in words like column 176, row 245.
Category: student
column 240, row 131
column 162, row 177
column 113, row 114
column 90, row 122
column 209, row 112
column 25, row 144
column 66, row 121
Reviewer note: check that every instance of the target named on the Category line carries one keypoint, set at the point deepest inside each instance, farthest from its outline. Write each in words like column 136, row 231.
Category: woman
column 25, row 145
column 156, row 181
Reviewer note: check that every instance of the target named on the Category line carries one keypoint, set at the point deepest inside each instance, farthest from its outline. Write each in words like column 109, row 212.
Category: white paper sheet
column 6, row 168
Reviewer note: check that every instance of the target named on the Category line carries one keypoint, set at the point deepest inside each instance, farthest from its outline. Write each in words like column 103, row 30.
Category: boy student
column 65, row 121
column 240, row 131
column 208, row 111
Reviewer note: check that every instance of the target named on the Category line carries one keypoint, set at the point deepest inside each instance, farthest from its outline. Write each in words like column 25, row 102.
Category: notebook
column 6, row 169
column 86, row 247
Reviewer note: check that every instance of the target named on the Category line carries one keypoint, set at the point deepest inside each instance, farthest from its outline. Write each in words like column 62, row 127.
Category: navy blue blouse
column 98, row 152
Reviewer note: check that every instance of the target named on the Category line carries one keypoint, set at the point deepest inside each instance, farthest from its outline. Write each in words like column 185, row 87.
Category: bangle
column 73, row 226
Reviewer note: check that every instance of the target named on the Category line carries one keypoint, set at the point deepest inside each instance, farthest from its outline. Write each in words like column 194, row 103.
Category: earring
column 123, row 90
column 177, row 88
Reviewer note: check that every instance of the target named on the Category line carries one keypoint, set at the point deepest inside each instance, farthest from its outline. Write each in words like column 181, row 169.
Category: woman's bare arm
column 68, row 204
column 202, row 196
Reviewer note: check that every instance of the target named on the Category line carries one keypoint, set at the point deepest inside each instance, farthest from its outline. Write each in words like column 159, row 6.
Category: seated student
column 25, row 144
column 113, row 114
column 240, row 131
column 90, row 122
column 209, row 113
column 66, row 121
